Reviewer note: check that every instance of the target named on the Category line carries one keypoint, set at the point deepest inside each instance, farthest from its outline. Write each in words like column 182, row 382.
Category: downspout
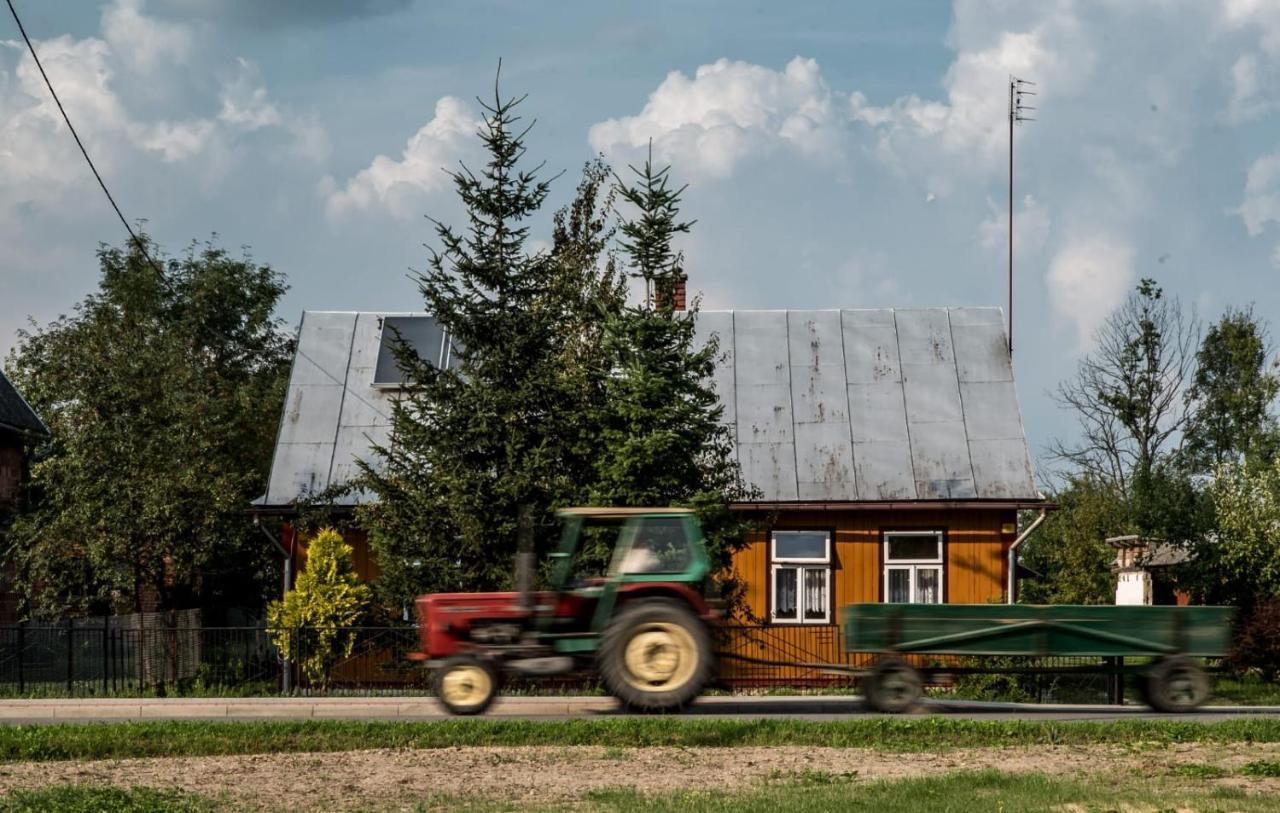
column 286, row 672
column 1013, row 552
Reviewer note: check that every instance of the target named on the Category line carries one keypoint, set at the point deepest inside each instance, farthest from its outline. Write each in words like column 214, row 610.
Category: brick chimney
column 681, row 301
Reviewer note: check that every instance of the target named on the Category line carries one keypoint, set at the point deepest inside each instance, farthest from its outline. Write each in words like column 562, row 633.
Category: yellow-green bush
column 312, row 625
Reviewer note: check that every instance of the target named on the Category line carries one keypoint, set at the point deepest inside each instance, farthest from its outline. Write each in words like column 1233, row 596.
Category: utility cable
column 137, row 241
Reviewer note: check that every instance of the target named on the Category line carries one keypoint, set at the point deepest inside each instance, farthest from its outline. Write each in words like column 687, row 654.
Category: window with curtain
column 913, row 567
column 800, row 578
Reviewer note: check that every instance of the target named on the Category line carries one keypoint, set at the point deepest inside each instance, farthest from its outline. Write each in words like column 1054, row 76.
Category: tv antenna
column 1018, row 112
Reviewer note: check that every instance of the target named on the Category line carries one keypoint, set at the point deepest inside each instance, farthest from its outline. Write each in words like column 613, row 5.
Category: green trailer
column 917, row 641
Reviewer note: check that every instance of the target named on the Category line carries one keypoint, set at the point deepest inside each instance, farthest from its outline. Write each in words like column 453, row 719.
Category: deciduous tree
column 162, row 391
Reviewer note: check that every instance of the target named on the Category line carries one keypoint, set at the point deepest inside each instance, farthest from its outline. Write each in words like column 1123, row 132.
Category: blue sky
column 838, row 154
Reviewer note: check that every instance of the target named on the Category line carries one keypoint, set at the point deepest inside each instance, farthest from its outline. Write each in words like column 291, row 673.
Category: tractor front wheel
column 655, row 655
column 466, row 684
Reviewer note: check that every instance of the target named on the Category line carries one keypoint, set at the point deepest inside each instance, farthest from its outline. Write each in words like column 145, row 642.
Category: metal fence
column 155, row 655
column 113, row 657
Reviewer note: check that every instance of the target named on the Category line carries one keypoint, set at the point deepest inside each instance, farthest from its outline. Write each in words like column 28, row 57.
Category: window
column 800, row 578
column 423, row 333
column 659, row 545
column 913, row 567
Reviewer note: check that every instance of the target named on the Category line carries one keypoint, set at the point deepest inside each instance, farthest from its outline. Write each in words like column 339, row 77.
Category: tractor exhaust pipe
column 524, row 559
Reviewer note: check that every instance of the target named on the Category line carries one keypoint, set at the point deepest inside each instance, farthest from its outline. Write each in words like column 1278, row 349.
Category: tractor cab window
column 658, row 545
column 591, row 560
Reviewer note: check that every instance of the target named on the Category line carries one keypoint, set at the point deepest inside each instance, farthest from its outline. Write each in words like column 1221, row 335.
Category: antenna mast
column 1017, row 114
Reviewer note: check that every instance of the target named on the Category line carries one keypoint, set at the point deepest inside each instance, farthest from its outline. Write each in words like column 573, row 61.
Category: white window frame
column 913, row 566
column 801, row 565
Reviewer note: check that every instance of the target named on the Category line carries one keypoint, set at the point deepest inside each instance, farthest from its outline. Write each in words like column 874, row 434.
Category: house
column 20, row 429
column 1142, row 567
column 887, row 448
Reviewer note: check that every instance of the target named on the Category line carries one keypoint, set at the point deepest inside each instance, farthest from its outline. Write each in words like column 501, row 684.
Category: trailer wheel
column 1175, row 684
column 655, row 656
column 466, row 684
column 893, row 686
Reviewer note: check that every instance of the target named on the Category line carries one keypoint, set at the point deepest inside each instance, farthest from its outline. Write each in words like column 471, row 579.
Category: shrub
column 1257, row 644
column 312, row 626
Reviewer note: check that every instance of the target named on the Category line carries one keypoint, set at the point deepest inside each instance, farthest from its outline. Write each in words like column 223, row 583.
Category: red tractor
column 641, row 624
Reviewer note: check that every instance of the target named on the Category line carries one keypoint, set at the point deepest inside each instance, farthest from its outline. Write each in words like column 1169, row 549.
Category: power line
column 137, row 241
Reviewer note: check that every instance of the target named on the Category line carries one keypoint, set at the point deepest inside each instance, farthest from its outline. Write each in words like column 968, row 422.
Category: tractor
column 641, row 622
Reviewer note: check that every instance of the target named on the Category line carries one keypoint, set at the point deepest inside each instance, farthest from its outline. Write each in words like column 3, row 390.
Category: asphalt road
column 561, row 708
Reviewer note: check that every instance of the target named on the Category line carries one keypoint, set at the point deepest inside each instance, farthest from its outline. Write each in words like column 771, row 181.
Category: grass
column 962, row 791
column 1245, row 690
column 806, row 792
column 925, row 734
column 100, row 799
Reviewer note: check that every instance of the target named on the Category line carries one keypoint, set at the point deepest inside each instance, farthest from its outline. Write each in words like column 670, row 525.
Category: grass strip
column 955, row 792
column 100, row 799
column 61, row 741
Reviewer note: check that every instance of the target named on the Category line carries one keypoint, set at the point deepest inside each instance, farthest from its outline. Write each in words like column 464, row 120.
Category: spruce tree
column 663, row 442
column 510, row 424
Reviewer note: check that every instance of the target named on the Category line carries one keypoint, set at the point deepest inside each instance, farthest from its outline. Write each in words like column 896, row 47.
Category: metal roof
column 861, row 405
column 15, row 413
column 614, row 512
column 824, row 405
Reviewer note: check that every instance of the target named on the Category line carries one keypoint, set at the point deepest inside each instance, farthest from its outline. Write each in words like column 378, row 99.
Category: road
column 562, row 708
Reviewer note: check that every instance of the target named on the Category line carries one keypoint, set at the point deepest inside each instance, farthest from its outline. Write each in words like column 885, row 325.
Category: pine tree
column 663, row 440
column 510, row 425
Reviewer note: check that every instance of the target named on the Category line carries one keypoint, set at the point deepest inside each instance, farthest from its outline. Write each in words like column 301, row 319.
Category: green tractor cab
column 626, row 600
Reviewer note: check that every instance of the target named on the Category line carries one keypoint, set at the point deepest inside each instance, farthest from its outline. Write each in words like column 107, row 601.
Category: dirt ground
column 395, row 778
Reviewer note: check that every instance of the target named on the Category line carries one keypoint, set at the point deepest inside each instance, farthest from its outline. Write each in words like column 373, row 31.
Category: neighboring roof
column 824, row 405
column 1148, row 551
column 15, row 413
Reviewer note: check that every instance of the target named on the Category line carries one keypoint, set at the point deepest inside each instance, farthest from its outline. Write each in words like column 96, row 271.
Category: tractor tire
column 466, row 684
column 1175, row 684
column 894, row 686
column 655, row 656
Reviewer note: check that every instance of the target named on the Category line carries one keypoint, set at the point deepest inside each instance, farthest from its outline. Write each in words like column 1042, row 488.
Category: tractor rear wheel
column 655, row 655
column 1175, row 684
column 893, row 686
column 466, row 684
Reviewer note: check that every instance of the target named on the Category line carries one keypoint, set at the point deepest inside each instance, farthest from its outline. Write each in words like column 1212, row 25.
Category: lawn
column 905, row 734
column 809, row 792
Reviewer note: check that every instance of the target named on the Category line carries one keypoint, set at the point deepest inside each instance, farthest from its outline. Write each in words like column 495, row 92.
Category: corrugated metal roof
column 824, row 405
column 16, row 413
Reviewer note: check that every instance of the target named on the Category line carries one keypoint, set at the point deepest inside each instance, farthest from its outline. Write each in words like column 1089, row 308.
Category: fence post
column 1115, row 681
column 22, row 654
column 71, row 657
column 106, row 661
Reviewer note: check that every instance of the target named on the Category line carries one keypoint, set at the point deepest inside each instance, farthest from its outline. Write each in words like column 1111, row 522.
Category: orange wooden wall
column 974, row 561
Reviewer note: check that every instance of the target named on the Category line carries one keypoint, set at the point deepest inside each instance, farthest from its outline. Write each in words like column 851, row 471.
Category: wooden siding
column 974, row 562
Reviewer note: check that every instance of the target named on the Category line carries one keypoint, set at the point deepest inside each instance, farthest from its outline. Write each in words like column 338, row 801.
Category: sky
column 846, row 155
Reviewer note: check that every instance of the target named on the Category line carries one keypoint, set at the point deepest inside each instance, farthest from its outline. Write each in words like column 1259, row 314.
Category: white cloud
column 143, row 43
column 1261, row 194
column 728, row 111
column 1087, row 279
column 398, row 185
column 38, row 160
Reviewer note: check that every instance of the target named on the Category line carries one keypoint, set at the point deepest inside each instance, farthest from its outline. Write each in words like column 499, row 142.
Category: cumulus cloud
column 142, row 42
column 39, row 164
column 1087, row 279
column 1261, row 194
column 728, row 111
column 399, row 185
